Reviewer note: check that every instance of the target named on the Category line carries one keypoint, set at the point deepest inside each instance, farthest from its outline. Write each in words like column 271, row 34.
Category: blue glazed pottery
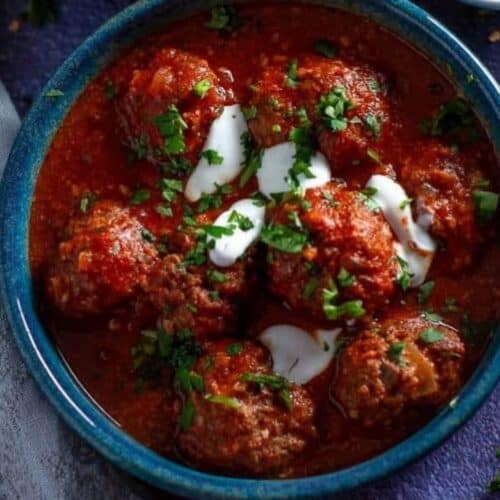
column 400, row 16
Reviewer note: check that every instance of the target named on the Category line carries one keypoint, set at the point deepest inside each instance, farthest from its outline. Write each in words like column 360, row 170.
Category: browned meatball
column 408, row 362
column 148, row 109
column 350, row 251
column 441, row 182
column 201, row 297
column 366, row 113
column 239, row 425
column 280, row 107
column 103, row 260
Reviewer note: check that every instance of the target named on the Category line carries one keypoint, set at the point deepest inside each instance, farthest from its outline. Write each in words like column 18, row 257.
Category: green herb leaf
column 454, row 117
column 431, row 335
column 164, row 210
column 351, row 309
column 332, row 108
column 395, row 351
column 218, row 231
column 224, row 400
column 432, row 317
column 215, row 276
column 310, row 288
column 187, row 415
column 252, row 161
column 345, row 278
column 304, row 150
column 171, row 127
column 224, row 18
column 325, row 48
column 405, row 203
column 486, row 204
column 249, row 113
column 234, row 348
column 373, row 125
column 201, row 88
column 87, row 202
column 284, row 238
column 212, row 156
column 405, row 276
column 425, row 291
column 140, row 196
column 291, row 77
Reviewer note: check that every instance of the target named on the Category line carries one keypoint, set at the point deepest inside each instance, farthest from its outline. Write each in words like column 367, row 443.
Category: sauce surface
column 89, row 160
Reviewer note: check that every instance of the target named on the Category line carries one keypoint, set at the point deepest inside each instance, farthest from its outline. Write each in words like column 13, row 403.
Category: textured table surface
column 459, row 469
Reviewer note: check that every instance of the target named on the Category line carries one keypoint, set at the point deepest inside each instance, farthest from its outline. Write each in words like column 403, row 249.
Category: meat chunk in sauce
column 241, row 425
column 203, row 298
column 441, row 180
column 168, row 106
column 102, row 261
column 407, row 362
column 324, row 90
column 351, row 253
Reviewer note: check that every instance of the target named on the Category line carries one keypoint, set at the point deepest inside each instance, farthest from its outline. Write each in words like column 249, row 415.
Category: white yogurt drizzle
column 229, row 248
column 298, row 355
column 224, row 137
column 415, row 245
column 273, row 174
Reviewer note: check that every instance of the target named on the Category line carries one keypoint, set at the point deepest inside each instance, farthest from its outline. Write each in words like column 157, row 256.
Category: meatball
column 350, row 253
column 241, row 425
column 165, row 112
column 276, row 108
column 408, row 362
column 201, row 297
column 441, row 182
column 327, row 82
column 352, row 92
column 103, row 260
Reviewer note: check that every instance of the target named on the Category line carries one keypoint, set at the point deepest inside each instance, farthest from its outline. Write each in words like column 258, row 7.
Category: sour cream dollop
column 229, row 248
column 298, row 355
column 274, row 173
column 224, row 138
column 415, row 245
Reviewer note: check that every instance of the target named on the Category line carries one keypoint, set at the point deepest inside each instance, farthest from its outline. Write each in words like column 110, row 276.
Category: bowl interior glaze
column 400, row 16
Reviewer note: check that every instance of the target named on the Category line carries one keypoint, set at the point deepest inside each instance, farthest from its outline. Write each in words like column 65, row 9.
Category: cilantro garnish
column 275, row 383
column 252, row 161
column 395, row 352
column 224, row 18
column 234, row 349
column 405, row 275
column 431, row 335
column 332, row 108
column 87, row 202
column 284, row 238
column 291, row 76
column 325, row 48
column 425, row 291
column 212, row 157
column 228, row 401
column 171, row 127
column 140, row 196
column 201, row 88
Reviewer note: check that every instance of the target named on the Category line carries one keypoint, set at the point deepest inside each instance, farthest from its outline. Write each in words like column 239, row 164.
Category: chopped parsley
column 284, row 238
column 249, row 113
column 405, row 203
column 223, row 19
column 395, row 352
column 292, row 77
column 109, row 90
column 228, row 401
column 242, row 221
column 148, row 235
column 329, row 198
column 366, row 196
column 454, row 117
column 486, row 204
column 310, row 287
column 218, row 231
column 214, row 276
column 333, row 311
column 276, row 128
column 212, row 157
column 432, row 316
column 187, row 415
column 332, row 108
column 405, row 276
column 252, row 161
column 345, row 279
column 164, row 210
column 373, row 156
column 374, row 86
column 87, row 202
column 425, row 291
column 170, row 188
column 140, row 196
column 214, row 200
column 304, row 151
column 234, row 349
column 171, row 127
column 373, row 125
column 275, row 383
column 201, row 88
column 431, row 336
column 325, row 48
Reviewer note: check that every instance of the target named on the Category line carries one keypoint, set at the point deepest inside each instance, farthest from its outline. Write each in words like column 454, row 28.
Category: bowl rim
column 411, row 23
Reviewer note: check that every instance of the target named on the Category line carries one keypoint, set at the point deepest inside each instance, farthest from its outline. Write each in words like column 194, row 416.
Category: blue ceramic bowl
column 400, row 16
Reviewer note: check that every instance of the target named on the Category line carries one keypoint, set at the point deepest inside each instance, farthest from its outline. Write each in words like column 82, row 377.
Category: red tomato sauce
column 87, row 156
